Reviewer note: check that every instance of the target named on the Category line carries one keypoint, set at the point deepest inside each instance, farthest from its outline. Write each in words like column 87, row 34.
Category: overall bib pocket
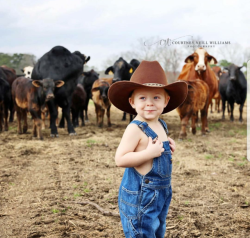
column 165, row 164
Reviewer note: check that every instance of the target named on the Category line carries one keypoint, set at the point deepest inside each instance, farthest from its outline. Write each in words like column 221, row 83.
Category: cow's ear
column 37, row 83
column 109, row 70
column 189, row 59
column 86, row 74
column 22, row 70
column 86, row 60
column 226, row 68
column 240, row 67
column 95, row 89
column 210, row 58
column 131, row 68
column 59, row 83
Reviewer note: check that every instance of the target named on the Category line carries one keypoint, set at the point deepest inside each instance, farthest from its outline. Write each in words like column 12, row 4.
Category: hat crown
column 149, row 72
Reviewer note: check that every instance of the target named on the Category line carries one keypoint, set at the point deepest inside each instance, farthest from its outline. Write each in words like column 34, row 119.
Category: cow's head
column 82, row 56
column 48, row 87
column 233, row 71
column 27, row 71
column 200, row 58
column 103, row 89
column 121, row 70
column 89, row 78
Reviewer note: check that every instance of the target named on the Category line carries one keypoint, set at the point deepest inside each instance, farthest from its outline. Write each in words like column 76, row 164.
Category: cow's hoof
column 73, row 134
column 54, row 135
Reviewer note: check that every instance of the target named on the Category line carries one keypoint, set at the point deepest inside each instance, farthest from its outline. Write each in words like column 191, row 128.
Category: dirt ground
column 44, row 184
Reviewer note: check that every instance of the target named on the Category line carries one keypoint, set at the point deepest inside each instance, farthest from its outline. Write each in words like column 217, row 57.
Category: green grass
column 180, row 217
column 208, row 156
column 55, row 210
column 86, row 190
column 90, row 142
column 77, row 195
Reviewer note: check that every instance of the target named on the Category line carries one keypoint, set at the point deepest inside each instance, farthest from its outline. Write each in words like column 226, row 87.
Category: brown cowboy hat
column 148, row 74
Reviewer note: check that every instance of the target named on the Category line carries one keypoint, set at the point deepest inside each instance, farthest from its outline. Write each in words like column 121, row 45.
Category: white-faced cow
column 27, row 71
column 197, row 67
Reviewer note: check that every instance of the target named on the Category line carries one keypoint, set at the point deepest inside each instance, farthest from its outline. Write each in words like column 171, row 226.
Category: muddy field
column 44, row 184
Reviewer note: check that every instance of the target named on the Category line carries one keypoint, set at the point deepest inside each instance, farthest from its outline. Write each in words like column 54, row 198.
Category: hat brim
column 119, row 93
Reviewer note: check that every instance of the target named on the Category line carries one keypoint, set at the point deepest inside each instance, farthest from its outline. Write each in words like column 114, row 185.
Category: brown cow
column 31, row 95
column 100, row 97
column 197, row 67
column 218, row 73
column 197, row 100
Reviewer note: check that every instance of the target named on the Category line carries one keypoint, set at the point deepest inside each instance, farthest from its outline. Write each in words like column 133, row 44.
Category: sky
column 101, row 29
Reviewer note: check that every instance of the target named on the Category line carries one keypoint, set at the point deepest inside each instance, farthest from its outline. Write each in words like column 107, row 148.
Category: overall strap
column 164, row 125
column 145, row 128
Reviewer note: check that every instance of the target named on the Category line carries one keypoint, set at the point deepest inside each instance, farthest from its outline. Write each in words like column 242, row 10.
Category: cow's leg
column 218, row 105
column 232, row 111
column 53, row 115
column 86, row 110
column 223, row 108
column 96, row 113
column 102, row 116
column 34, row 132
column 204, row 123
column 124, row 116
column 184, row 122
column 66, row 112
column 241, row 110
column 19, row 119
column 6, row 114
column 38, row 122
column 43, row 119
column 108, row 116
column 81, row 114
column 194, row 119
column 12, row 110
column 62, row 121
column 57, row 119
column 211, row 106
column 74, row 117
column 25, row 123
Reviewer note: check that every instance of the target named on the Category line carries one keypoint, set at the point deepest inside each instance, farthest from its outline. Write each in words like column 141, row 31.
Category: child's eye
column 142, row 98
column 156, row 97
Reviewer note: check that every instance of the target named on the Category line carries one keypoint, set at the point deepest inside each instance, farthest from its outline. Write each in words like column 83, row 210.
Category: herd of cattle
column 59, row 79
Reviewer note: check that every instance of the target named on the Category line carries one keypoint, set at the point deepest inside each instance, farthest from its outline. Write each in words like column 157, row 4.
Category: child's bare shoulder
column 133, row 130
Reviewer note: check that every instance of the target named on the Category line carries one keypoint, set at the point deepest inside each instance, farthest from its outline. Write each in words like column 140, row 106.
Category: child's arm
column 125, row 155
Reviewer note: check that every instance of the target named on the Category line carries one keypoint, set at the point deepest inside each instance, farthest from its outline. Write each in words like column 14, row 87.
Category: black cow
column 9, row 74
column 78, row 105
column 88, row 79
column 233, row 88
column 5, row 101
column 60, row 64
column 31, row 96
column 123, row 71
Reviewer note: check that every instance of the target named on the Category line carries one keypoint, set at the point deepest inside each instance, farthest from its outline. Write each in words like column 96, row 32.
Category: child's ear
column 167, row 100
column 131, row 102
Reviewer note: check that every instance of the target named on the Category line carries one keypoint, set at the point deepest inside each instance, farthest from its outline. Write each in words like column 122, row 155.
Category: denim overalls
column 144, row 199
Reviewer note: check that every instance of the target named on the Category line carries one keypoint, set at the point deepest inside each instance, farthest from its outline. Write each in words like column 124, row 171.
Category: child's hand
column 154, row 148
column 172, row 145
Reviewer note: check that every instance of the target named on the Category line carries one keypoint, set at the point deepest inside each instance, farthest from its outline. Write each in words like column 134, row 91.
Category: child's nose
column 149, row 102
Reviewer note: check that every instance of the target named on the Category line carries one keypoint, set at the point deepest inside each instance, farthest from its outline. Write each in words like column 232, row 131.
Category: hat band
column 154, row 84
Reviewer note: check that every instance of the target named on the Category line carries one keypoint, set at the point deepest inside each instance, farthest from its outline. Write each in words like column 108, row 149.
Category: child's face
column 149, row 103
